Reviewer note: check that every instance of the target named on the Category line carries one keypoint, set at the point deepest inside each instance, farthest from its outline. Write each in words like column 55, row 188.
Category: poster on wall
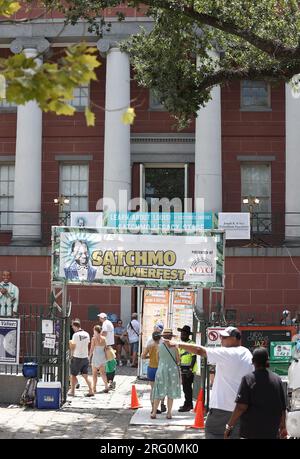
column 87, row 219
column 155, row 309
column 182, row 309
column 9, row 340
column 104, row 256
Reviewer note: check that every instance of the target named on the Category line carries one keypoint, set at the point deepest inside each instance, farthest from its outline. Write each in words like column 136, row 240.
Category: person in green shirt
column 110, row 370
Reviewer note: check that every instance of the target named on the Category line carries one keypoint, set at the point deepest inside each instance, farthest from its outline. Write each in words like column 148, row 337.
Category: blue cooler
column 48, row 395
column 30, row 369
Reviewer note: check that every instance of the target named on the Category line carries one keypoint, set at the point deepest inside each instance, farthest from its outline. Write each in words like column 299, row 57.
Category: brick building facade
column 256, row 154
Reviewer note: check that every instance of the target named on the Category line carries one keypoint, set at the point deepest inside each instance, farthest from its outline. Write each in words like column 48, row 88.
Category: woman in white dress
column 97, row 357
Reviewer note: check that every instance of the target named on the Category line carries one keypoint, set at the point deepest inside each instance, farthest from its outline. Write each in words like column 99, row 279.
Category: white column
column 208, row 154
column 292, row 165
column 117, row 165
column 27, row 188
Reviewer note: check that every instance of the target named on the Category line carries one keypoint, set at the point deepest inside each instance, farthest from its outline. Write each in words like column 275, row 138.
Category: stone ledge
column 25, row 251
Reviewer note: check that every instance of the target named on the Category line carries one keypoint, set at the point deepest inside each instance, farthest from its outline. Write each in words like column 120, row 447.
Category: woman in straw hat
column 167, row 379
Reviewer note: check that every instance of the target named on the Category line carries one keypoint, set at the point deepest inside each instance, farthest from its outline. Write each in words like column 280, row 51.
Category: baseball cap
column 159, row 325
column 231, row 331
column 102, row 315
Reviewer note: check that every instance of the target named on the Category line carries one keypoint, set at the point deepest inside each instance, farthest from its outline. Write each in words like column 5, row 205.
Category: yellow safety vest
column 186, row 357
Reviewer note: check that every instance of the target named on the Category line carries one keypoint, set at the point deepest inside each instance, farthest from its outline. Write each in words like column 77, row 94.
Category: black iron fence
column 268, row 229
column 243, row 316
column 52, row 361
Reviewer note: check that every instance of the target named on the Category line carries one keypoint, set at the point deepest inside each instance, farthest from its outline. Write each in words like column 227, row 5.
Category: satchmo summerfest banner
column 93, row 256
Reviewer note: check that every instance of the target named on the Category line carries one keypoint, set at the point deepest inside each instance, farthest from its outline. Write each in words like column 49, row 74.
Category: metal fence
column 246, row 317
column 268, row 229
column 53, row 364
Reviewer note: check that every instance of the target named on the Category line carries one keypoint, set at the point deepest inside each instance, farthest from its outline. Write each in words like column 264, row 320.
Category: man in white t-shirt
column 79, row 346
column 107, row 329
column 133, row 331
column 232, row 361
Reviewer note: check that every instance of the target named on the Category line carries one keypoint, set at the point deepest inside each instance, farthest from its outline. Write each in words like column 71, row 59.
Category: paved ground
column 104, row 416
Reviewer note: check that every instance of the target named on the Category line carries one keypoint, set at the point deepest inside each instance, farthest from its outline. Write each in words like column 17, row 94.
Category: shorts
column 119, row 341
column 134, row 347
column 151, row 372
column 79, row 366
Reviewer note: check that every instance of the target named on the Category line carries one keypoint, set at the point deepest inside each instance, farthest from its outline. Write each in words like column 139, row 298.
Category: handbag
column 109, row 353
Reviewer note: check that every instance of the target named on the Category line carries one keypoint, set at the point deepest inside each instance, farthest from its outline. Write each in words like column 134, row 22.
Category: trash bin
column 29, row 369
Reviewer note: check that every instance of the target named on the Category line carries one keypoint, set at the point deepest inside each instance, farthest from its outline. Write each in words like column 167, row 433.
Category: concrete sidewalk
column 104, row 416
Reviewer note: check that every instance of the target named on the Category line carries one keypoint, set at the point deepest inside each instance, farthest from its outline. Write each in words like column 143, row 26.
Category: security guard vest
column 186, row 357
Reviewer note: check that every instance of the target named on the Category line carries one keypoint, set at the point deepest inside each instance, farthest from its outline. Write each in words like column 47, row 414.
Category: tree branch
column 273, row 48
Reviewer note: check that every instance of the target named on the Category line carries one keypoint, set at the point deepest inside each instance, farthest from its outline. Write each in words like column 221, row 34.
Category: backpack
column 28, row 396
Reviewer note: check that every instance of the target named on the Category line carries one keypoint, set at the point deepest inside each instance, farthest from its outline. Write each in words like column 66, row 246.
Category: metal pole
column 140, row 293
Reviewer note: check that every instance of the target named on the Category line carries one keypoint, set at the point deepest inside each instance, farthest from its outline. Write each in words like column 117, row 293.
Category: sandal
column 153, row 416
column 169, row 416
column 89, row 395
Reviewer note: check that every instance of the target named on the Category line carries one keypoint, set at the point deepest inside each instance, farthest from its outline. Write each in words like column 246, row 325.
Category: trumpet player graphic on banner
column 9, row 296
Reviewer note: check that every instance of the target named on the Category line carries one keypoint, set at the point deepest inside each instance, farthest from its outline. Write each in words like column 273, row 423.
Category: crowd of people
column 103, row 352
column 247, row 399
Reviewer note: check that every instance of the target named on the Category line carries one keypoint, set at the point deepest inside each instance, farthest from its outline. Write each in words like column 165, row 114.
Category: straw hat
column 167, row 332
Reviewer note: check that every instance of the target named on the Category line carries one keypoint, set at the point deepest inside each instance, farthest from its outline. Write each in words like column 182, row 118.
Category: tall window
column 7, row 179
column 255, row 95
column 165, row 182
column 74, row 184
column 256, row 182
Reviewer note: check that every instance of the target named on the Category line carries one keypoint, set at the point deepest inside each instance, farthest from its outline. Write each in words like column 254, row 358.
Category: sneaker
column 163, row 408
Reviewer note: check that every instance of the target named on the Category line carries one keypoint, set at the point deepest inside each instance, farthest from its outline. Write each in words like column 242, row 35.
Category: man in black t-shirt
column 260, row 402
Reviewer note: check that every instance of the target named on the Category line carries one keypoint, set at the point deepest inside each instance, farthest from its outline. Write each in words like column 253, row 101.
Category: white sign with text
column 236, row 225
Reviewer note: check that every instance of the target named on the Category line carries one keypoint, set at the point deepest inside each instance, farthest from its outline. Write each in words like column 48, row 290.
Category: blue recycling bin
column 30, row 369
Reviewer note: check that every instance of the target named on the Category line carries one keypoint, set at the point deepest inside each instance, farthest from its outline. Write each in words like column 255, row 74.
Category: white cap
column 286, row 312
column 231, row 331
column 102, row 315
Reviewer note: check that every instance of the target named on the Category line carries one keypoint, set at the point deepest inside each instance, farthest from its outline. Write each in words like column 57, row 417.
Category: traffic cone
column 134, row 399
column 199, row 418
column 199, row 399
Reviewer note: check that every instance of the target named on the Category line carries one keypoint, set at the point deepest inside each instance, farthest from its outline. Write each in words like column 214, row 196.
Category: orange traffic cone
column 199, row 399
column 134, row 399
column 199, row 418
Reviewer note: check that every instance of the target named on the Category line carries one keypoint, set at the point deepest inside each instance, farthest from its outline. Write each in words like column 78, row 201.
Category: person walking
column 133, row 331
column 107, row 329
column 79, row 346
column 260, row 402
column 232, row 361
column 97, row 358
column 188, row 367
column 167, row 380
